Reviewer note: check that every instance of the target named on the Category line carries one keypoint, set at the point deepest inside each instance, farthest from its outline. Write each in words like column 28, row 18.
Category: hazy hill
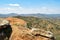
column 18, row 29
column 40, row 15
column 43, row 15
column 8, row 15
column 52, row 24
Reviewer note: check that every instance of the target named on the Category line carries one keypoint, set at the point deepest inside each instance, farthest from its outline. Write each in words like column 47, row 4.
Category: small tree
column 29, row 25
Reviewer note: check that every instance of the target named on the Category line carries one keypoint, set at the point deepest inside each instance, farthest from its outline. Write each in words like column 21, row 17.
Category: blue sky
column 30, row 6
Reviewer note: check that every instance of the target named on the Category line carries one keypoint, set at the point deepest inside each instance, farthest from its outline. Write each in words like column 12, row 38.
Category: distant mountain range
column 43, row 15
column 35, row 15
column 8, row 15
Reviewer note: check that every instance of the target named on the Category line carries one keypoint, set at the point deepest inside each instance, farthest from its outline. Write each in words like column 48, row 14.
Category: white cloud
column 14, row 5
column 18, row 9
column 49, row 10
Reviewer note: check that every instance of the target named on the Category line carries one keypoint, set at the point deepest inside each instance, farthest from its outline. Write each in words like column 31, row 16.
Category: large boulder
column 5, row 29
column 36, row 31
column 42, row 33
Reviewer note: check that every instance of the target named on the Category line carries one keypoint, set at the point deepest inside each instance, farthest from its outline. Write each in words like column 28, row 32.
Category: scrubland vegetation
column 51, row 24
